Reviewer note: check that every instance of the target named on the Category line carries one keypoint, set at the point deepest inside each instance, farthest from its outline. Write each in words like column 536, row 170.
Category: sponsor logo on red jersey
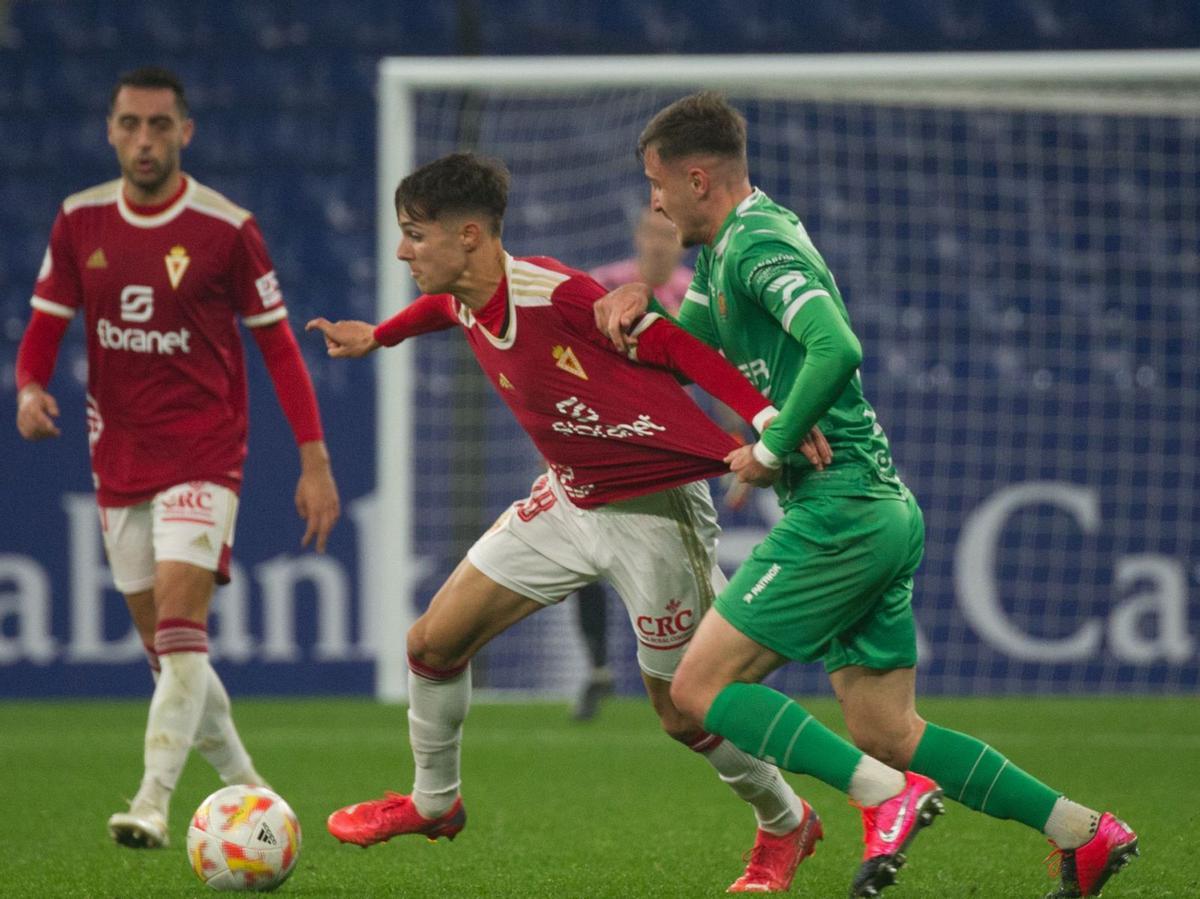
column 584, row 421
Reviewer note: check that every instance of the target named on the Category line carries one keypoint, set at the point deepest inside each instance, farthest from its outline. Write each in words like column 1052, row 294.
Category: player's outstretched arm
column 345, row 339
column 36, row 411
column 619, row 310
column 316, row 494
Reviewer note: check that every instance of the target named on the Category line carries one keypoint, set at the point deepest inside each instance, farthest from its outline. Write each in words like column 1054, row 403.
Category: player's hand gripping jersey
column 161, row 292
column 763, row 272
column 611, row 429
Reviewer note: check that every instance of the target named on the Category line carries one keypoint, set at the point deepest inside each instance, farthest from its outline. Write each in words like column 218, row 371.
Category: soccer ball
column 243, row 838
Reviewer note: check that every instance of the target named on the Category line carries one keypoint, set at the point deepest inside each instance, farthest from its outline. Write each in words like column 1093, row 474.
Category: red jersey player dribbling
column 624, row 499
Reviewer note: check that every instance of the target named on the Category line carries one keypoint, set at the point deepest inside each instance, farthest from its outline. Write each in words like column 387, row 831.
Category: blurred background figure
column 657, row 260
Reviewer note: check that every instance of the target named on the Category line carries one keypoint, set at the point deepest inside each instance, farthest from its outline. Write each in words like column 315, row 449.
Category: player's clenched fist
column 36, row 411
column 345, row 339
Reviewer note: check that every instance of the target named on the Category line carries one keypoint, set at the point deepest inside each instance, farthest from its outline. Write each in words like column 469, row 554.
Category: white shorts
column 190, row 522
column 658, row 551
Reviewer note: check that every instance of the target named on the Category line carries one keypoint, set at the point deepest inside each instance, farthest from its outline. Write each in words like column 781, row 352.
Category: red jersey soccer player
column 624, row 498
column 162, row 267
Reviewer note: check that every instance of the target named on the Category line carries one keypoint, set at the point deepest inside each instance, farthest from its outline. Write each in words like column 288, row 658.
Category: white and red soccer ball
column 243, row 838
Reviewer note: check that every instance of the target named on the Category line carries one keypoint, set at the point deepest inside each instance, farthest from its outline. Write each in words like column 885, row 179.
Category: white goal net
column 1016, row 239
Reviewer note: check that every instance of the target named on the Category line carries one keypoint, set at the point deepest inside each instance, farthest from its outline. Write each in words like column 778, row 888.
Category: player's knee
column 431, row 653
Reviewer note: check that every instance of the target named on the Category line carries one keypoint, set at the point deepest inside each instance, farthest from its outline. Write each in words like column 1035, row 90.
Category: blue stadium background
column 283, row 94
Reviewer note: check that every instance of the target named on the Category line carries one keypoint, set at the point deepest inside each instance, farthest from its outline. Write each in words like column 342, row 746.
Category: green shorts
column 833, row 580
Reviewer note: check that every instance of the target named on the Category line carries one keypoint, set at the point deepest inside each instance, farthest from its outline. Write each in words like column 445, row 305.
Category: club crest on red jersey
column 566, row 360
column 505, row 383
column 177, row 262
column 98, row 259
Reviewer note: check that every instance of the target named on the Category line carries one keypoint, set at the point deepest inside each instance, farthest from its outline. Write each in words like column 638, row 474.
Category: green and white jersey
column 763, row 295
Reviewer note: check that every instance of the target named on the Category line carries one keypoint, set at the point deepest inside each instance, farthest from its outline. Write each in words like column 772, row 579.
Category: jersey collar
column 505, row 340
column 169, row 213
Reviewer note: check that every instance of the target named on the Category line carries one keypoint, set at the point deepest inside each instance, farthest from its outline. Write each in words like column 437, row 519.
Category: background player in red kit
column 624, row 498
column 162, row 268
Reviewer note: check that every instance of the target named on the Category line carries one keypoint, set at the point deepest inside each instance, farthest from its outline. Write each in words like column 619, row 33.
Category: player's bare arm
column 316, row 494
column 36, row 411
column 345, row 339
column 619, row 310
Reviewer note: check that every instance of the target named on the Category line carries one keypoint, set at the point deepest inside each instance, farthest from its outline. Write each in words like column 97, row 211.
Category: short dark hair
column 699, row 124
column 458, row 183
column 152, row 77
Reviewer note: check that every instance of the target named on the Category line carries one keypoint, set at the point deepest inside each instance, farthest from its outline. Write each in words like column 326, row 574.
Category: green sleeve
column 660, row 309
column 804, row 300
column 832, row 356
column 693, row 314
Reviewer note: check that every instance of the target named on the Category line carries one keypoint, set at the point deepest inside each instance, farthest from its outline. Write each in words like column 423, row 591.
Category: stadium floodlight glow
column 1015, row 234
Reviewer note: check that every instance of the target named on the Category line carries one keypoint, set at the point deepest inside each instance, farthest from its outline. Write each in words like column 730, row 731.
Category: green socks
column 766, row 724
column 979, row 777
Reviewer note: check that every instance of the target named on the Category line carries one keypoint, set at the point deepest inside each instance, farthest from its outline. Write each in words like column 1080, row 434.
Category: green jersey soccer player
column 833, row 579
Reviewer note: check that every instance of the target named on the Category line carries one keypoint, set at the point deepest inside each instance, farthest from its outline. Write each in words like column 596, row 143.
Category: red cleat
column 1085, row 870
column 774, row 859
column 376, row 821
column 889, row 828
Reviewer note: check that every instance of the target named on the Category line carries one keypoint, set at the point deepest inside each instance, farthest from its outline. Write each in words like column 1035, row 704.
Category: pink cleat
column 889, row 828
column 376, row 821
column 1085, row 870
column 774, row 859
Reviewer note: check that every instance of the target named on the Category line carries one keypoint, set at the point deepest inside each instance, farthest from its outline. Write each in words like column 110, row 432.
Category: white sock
column 1070, row 824
column 435, row 715
column 217, row 738
column 874, row 782
column 776, row 806
column 171, row 727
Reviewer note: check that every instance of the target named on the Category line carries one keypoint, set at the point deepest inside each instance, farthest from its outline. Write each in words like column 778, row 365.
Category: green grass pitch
column 609, row 808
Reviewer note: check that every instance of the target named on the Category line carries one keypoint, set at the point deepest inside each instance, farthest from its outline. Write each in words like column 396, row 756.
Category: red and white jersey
column 610, row 428
column 161, row 290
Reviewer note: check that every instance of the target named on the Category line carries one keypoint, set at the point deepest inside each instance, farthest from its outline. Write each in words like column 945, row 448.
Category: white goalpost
column 1016, row 238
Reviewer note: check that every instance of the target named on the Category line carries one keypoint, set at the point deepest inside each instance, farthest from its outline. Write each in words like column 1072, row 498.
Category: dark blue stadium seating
column 284, row 89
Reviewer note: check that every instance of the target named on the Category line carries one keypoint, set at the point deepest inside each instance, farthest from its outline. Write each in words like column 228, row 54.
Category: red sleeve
column 670, row 347
column 58, row 289
column 428, row 312
column 256, row 291
column 39, row 348
column 290, row 377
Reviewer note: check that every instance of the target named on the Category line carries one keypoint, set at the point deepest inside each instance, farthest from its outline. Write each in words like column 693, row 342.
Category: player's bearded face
column 434, row 253
column 148, row 131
